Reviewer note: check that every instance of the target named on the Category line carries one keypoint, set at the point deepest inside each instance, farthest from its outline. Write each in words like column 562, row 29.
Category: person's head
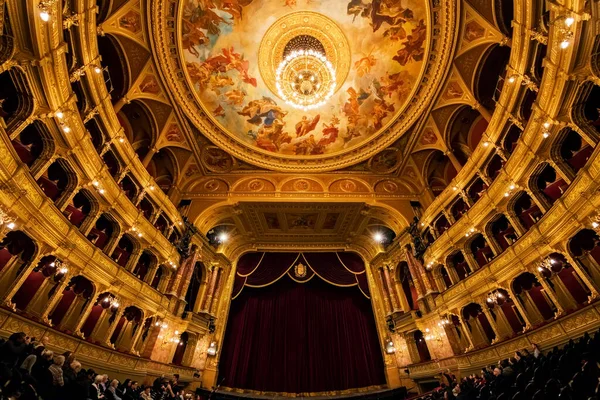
column 75, row 366
column 104, row 378
column 147, row 389
column 59, row 360
column 114, row 383
column 91, row 373
column 18, row 337
column 134, row 385
column 38, row 349
column 48, row 354
column 497, row 371
column 98, row 379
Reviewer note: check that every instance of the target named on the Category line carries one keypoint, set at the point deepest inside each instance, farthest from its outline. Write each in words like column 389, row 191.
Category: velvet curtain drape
column 298, row 337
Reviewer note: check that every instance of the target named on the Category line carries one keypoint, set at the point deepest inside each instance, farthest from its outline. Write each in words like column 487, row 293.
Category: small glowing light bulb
column 45, row 16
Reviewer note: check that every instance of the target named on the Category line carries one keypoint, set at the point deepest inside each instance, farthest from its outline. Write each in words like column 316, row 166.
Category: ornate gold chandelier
column 305, row 79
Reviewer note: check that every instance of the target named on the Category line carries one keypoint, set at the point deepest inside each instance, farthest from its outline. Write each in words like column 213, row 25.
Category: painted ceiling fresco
column 221, row 42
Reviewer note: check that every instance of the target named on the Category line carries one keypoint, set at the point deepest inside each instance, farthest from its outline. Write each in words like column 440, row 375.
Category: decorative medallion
column 302, row 185
column 300, row 270
column 386, row 161
column 216, row 160
column 348, row 185
column 256, row 185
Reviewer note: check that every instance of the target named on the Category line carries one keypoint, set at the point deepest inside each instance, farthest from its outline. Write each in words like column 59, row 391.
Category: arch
column 115, row 60
column 158, row 276
column 585, row 112
column 457, row 262
column 34, row 145
column 58, row 181
column 96, row 134
column 504, row 15
column 561, row 276
column 441, row 224
column 163, row 168
column 530, row 292
column 547, row 184
column 476, row 189
column 46, row 269
column 584, row 247
column 147, row 261
column 481, row 249
column 130, row 321
column 105, row 230
column 139, row 127
column 439, row 172
column 504, row 312
column 526, row 106
column 125, row 248
column 509, row 143
column 17, row 250
column 422, row 348
column 129, row 187
column 458, row 208
column 494, row 166
column 180, row 350
column 104, row 310
column 465, row 130
column 146, row 207
column 112, row 163
column 502, row 231
column 407, row 284
column 81, row 206
column 478, row 324
column 491, row 67
column 162, row 223
column 528, row 213
column 79, row 291
column 196, row 281
column 18, row 103
column 537, row 66
column 570, row 151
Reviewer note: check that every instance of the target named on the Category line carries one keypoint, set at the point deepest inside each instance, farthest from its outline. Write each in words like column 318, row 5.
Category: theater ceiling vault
column 412, row 89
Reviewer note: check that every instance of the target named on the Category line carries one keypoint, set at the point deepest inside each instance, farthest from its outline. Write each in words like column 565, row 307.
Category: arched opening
column 506, row 315
column 482, row 333
column 584, row 247
column 503, row 232
column 122, row 252
column 193, row 291
column 445, row 277
column 504, row 13
column 454, row 331
column 548, row 184
column 491, row 68
column 39, row 283
column 476, row 189
column 102, row 314
column 33, row 143
column 114, row 59
column 146, row 207
column 537, row 67
column 104, row 231
column 494, row 166
column 511, row 138
column 157, row 277
column 458, row 263
column 58, row 180
column 441, row 224
column 588, row 113
column 408, row 285
column 571, row 150
column 562, row 278
column 139, row 127
column 145, row 264
column 439, row 172
column 526, row 108
column 526, row 210
column 481, row 250
column 422, row 348
column 459, row 208
column 180, row 350
column 129, row 323
column 534, row 300
column 96, row 134
column 79, row 208
column 162, row 168
column 129, row 188
column 112, row 163
column 162, row 224
column 75, row 298
column 18, row 104
column 466, row 130
column 16, row 252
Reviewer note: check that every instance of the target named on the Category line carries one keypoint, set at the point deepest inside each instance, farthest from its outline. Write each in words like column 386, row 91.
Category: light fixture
column 97, row 69
column 45, row 7
column 470, row 232
column 525, row 81
column 59, row 114
column 65, row 128
column 6, row 220
column 112, row 300
column 305, row 78
column 495, row 297
column 545, row 134
column 389, row 347
column 223, row 237
column 212, row 349
column 378, row 237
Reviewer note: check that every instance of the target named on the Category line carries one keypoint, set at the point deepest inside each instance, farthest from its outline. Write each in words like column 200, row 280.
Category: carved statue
column 183, row 246
column 418, row 243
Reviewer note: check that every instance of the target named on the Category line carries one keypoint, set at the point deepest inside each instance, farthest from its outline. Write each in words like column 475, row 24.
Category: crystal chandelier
column 6, row 220
column 305, row 78
column 495, row 297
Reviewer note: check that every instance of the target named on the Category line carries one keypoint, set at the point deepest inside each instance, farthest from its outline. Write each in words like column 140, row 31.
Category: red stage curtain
column 301, row 337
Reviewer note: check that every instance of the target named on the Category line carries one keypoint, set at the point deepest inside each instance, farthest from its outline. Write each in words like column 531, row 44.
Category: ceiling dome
column 236, row 69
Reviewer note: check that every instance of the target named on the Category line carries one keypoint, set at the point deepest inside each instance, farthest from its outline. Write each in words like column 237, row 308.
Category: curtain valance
column 259, row 269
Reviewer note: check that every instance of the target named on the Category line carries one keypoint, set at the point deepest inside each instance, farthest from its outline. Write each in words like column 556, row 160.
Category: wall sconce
column 389, row 346
column 525, row 81
column 470, row 232
column 61, row 268
column 212, row 349
column 135, row 231
column 98, row 186
column 6, row 220
column 114, row 303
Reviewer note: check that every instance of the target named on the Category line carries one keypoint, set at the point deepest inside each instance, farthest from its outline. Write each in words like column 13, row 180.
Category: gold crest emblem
column 300, row 270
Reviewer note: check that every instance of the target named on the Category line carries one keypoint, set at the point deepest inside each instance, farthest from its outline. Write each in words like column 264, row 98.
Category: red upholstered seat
column 75, row 215
column 24, row 152
column 484, row 256
column 531, row 216
column 556, row 189
column 49, row 188
column 580, row 158
column 98, row 237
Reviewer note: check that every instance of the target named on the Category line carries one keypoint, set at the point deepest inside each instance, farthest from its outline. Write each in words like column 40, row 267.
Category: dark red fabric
column 301, row 337
column 62, row 307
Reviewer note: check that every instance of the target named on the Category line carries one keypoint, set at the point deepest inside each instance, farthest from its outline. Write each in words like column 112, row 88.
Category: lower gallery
column 375, row 199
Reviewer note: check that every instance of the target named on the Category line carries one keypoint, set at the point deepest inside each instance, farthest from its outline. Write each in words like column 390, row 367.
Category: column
column 77, row 314
column 483, row 111
column 520, row 307
column 190, row 263
column 112, row 244
column 496, row 249
column 89, row 223
column 190, row 350
column 493, row 323
column 13, row 279
column 411, row 346
column 400, row 292
column 148, row 157
column 585, row 278
column 418, row 280
column 136, row 337
column 211, row 289
column 215, row 302
column 152, row 273
column 111, row 328
column 455, row 163
column 133, row 260
column 386, row 297
column 516, row 224
column 388, row 282
column 562, row 293
column 549, row 292
column 56, row 296
column 467, row 333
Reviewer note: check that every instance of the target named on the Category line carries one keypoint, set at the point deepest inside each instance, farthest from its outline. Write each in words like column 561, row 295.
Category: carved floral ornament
column 226, row 90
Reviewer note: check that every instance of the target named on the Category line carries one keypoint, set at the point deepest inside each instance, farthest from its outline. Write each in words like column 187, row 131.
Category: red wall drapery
column 300, row 335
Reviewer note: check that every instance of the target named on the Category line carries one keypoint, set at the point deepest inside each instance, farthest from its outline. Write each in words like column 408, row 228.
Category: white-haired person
column 57, row 376
column 95, row 392
column 111, row 391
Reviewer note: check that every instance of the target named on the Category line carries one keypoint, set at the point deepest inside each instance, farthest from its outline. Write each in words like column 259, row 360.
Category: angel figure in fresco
column 271, row 137
column 290, row 3
column 203, row 16
column 199, row 73
column 193, row 36
column 218, row 81
column 364, row 65
column 265, row 108
column 352, row 105
column 235, row 97
column 413, row 46
column 380, row 111
column 219, row 111
column 399, row 83
column 330, row 132
column 233, row 7
column 358, row 7
column 390, row 12
column 308, row 146
column 305, row 126
column 229, row 60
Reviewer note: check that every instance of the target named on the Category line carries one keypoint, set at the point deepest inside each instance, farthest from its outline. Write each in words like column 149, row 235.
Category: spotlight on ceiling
column 378, row 237
column 223, row 237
